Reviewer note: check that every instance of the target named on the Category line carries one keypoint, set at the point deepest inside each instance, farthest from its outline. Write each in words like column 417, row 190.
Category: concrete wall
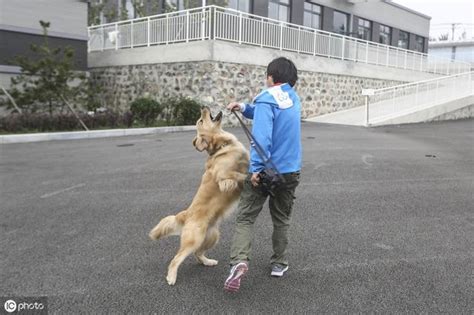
column 245, row 54
column 68, row 17
column 463, row 113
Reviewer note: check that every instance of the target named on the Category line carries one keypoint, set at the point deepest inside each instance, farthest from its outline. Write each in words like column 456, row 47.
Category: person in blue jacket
column 276, row 115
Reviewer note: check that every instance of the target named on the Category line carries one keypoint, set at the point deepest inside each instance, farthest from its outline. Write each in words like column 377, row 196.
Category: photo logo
column 24, row 305
column 10, row 306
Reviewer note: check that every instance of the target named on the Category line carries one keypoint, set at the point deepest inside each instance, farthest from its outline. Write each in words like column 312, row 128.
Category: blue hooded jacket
column 276, row 114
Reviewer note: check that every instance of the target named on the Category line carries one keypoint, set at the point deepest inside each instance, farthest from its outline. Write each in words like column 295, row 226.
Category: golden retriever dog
column 221, row 185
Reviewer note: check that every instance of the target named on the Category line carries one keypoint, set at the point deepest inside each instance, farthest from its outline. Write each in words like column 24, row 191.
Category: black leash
column 270, row 167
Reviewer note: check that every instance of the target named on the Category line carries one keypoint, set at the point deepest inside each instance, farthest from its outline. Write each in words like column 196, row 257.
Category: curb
column 50, row 136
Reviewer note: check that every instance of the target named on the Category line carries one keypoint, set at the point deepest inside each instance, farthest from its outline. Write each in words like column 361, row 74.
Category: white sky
column 447, row 11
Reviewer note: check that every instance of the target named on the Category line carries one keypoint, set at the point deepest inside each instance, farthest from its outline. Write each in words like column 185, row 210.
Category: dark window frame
column 313, row 14
column 417, row 47
column 347, row 15
column 281, row 3
column 364, row 27
column 389, row 34
column 407, row 40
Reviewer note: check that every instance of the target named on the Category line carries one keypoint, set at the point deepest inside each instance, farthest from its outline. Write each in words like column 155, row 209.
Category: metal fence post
column 377, row 55
column 406, row 55
column 388, row 54
column 240, row 27
column 367, row 52
column 281, row 36
column 167, row 29
column 148, row 32
column 203, row 25
column 367, row 93
column 396, row 58
column 88, row 40
column 421, row 62
column 116, row 36
column 329, row 46
column 314, row 43
column 343, row 47
column 187, row 26
column 299, row 40
column 215, row 22
column 131, row 34
column 102, row 39
column 261, row 33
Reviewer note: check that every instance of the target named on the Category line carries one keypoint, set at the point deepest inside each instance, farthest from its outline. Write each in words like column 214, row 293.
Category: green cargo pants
column 250, row 205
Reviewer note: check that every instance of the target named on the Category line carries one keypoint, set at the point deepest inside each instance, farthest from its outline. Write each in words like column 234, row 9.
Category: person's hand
column 255, row 179
column 234, row 106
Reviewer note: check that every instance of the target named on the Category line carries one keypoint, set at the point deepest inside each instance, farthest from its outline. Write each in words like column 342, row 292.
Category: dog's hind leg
column 212, row 237
column 192, row 238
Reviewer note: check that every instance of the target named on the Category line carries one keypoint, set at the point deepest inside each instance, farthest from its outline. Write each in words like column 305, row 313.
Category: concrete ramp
column 356, row 116
column 408, row 103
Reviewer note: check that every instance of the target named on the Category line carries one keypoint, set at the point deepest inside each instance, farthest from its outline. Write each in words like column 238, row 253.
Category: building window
column 312, row 15
column 385, row 35
column 241, row 5
column 340, row 23
column 419, row 43
column 279, row 10
column 403, row 39
column 364, row 29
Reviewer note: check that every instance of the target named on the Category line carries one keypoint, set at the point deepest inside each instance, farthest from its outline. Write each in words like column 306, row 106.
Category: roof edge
column 407, row 9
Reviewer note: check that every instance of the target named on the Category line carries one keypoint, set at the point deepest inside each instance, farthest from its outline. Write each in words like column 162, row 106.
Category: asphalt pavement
column 383, row 222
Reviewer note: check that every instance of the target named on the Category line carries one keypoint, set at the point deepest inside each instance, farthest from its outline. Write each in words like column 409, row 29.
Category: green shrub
column 145, row 110
column 182, row 111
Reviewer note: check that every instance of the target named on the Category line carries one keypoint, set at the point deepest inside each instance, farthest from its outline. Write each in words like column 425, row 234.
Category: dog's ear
column 217, row 121
column 200, row 143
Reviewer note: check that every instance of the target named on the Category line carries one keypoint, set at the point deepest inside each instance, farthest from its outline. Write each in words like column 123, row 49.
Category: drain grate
column 125, row 145
column 430, row 155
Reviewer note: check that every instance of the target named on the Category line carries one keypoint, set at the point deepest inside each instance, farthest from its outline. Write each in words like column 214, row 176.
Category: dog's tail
column 170, row 225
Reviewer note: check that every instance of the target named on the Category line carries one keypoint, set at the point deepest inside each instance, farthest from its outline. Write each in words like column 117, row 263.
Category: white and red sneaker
column 232, row 283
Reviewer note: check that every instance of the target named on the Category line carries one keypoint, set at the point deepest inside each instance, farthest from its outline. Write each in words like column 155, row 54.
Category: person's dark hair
column 282, row 70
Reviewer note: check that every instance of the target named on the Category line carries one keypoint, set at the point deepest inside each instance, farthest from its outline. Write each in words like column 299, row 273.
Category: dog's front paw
column 227, row 185
column 210, row 262
column 171, row 279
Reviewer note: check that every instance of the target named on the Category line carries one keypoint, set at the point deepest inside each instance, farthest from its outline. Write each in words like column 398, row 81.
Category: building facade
column 20, row 27
column 379, row 21
column 461, row 50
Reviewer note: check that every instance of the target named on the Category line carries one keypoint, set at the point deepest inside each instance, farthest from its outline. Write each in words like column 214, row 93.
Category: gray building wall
column 458, row 50
column 297, row 11
column 20, row 27
column 68, row 18
column 387, row 13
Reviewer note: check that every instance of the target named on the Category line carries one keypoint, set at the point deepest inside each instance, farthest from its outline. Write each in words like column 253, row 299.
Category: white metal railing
column 396, row 100
column 216, row 23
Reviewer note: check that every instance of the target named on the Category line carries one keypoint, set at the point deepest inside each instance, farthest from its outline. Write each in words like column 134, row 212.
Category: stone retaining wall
column 216, row 83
